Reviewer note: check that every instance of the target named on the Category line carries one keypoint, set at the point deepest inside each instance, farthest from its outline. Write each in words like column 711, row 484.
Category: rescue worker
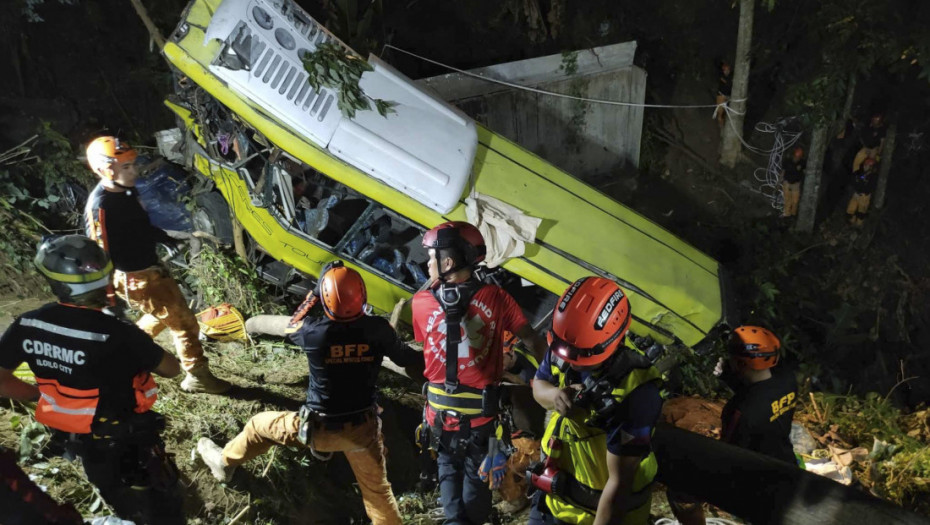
column 462, row 417
column 872, row 139
column 864, row 183
column 344, row 350
column 792, row 173
column 116, row 220
column 724, row 88
column 95, row 387
column 24, row 503
column 758, row 417
column 598, row 465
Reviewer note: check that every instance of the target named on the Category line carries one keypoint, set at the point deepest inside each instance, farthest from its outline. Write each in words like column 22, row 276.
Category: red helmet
column 869, row 163
column 342, row 293
column 754, row 347
column 103, row 152
column 459, row 235
column 798, row 153
column 589, row 321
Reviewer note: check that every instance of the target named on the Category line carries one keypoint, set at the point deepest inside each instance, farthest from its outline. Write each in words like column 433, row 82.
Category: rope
column 559, row 95
column 709, row 521
column 768, row 177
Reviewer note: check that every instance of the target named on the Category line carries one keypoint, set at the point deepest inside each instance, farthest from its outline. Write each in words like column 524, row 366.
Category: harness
column 451, row 398
column 572, row 474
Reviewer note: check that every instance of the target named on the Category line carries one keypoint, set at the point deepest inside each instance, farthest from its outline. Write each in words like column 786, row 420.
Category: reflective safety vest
column 584, row 449
column 146, row 391
column 66, row 409
column 72, row 409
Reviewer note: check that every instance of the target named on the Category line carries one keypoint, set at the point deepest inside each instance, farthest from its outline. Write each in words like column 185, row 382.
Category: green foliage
column 354, row 22
column 28, row 8
column 220, row 276
column 696, row 370
column 330, row 65
column 579, row 107
column 32, row 175
column 899, row 468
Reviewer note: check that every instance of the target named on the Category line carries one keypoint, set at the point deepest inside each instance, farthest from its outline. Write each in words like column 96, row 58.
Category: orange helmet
column 342, row 292
column 459, row 235
column 869, row 163
column 589, row 321
column 103, row 152
column 754, row 347
column 798, row 153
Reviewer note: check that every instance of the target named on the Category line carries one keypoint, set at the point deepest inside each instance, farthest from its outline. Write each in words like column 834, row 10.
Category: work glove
column 492, row 469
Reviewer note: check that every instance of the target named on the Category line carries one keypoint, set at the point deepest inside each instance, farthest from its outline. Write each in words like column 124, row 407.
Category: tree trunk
column 733, row 130
column 810, row 191
column 885, row 168
column 763, row 490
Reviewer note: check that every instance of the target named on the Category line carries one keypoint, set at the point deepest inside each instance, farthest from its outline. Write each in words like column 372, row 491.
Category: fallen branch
column 274, row 450
column 153, row 30
column 239, row 516
column 664, row 137
column 816, row 409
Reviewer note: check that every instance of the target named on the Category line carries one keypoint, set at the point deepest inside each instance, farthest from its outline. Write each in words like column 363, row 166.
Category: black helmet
column 75, row 266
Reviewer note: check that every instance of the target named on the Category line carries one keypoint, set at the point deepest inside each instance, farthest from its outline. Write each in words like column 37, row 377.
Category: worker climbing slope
column 95, row 388
column 598, row 465
column 116, row 220
column 461, row 323
column 344, row 350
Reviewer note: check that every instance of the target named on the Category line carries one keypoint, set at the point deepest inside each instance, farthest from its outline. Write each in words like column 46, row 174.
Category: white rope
column 769, row 176
column 559, row 95
column 709, row 521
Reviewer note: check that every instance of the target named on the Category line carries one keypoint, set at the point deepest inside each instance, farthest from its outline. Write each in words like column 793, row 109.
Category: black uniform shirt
column 345, row 358
column 871, row 137
column 117, row 221
column 759, row 416
column 84, row 349
column 794, row 170
column 865, row 181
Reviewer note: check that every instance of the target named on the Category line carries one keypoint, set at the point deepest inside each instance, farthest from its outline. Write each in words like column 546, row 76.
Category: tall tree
column 813, row 174
column 730, row 144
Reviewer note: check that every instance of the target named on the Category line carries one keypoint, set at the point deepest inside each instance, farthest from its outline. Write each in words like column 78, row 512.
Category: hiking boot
column 200, row 380
column 212, row 456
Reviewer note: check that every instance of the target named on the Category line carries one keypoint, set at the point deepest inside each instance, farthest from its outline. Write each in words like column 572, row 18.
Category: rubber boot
column 200, row 380
column 212, row 456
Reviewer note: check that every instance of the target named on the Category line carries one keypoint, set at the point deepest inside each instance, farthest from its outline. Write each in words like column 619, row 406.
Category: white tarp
column 506, row 229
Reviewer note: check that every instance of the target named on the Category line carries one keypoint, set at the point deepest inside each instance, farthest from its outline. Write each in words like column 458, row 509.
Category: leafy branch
column 332, row 67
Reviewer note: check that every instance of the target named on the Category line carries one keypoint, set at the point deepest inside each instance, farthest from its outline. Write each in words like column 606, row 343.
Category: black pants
column 137, row 479
column 540, row 513
column 466, row 500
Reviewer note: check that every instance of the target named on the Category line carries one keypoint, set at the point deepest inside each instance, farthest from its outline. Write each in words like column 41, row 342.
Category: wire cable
column 554, row 94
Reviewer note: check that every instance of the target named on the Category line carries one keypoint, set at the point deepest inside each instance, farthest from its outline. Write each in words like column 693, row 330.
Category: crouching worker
column 344, row 349
column 95, row 387
column 598, row 463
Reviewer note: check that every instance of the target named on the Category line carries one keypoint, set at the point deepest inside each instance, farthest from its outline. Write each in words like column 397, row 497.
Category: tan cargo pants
column 362, row 444
column 792, row 196
column 157, row 295
column 858, row 207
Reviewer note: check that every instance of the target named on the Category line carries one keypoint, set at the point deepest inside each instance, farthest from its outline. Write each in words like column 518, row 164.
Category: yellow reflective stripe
column 460, row 410
column 462, row 395
column 85, row 278
column 528, row 355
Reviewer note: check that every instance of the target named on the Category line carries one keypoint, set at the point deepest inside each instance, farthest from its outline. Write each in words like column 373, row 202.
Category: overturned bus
column 310, row 185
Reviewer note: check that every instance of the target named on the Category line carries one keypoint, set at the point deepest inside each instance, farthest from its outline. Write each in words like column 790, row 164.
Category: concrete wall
column 586, row 139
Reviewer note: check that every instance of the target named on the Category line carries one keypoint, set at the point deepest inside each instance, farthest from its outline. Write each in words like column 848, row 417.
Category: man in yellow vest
column 598, row 465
